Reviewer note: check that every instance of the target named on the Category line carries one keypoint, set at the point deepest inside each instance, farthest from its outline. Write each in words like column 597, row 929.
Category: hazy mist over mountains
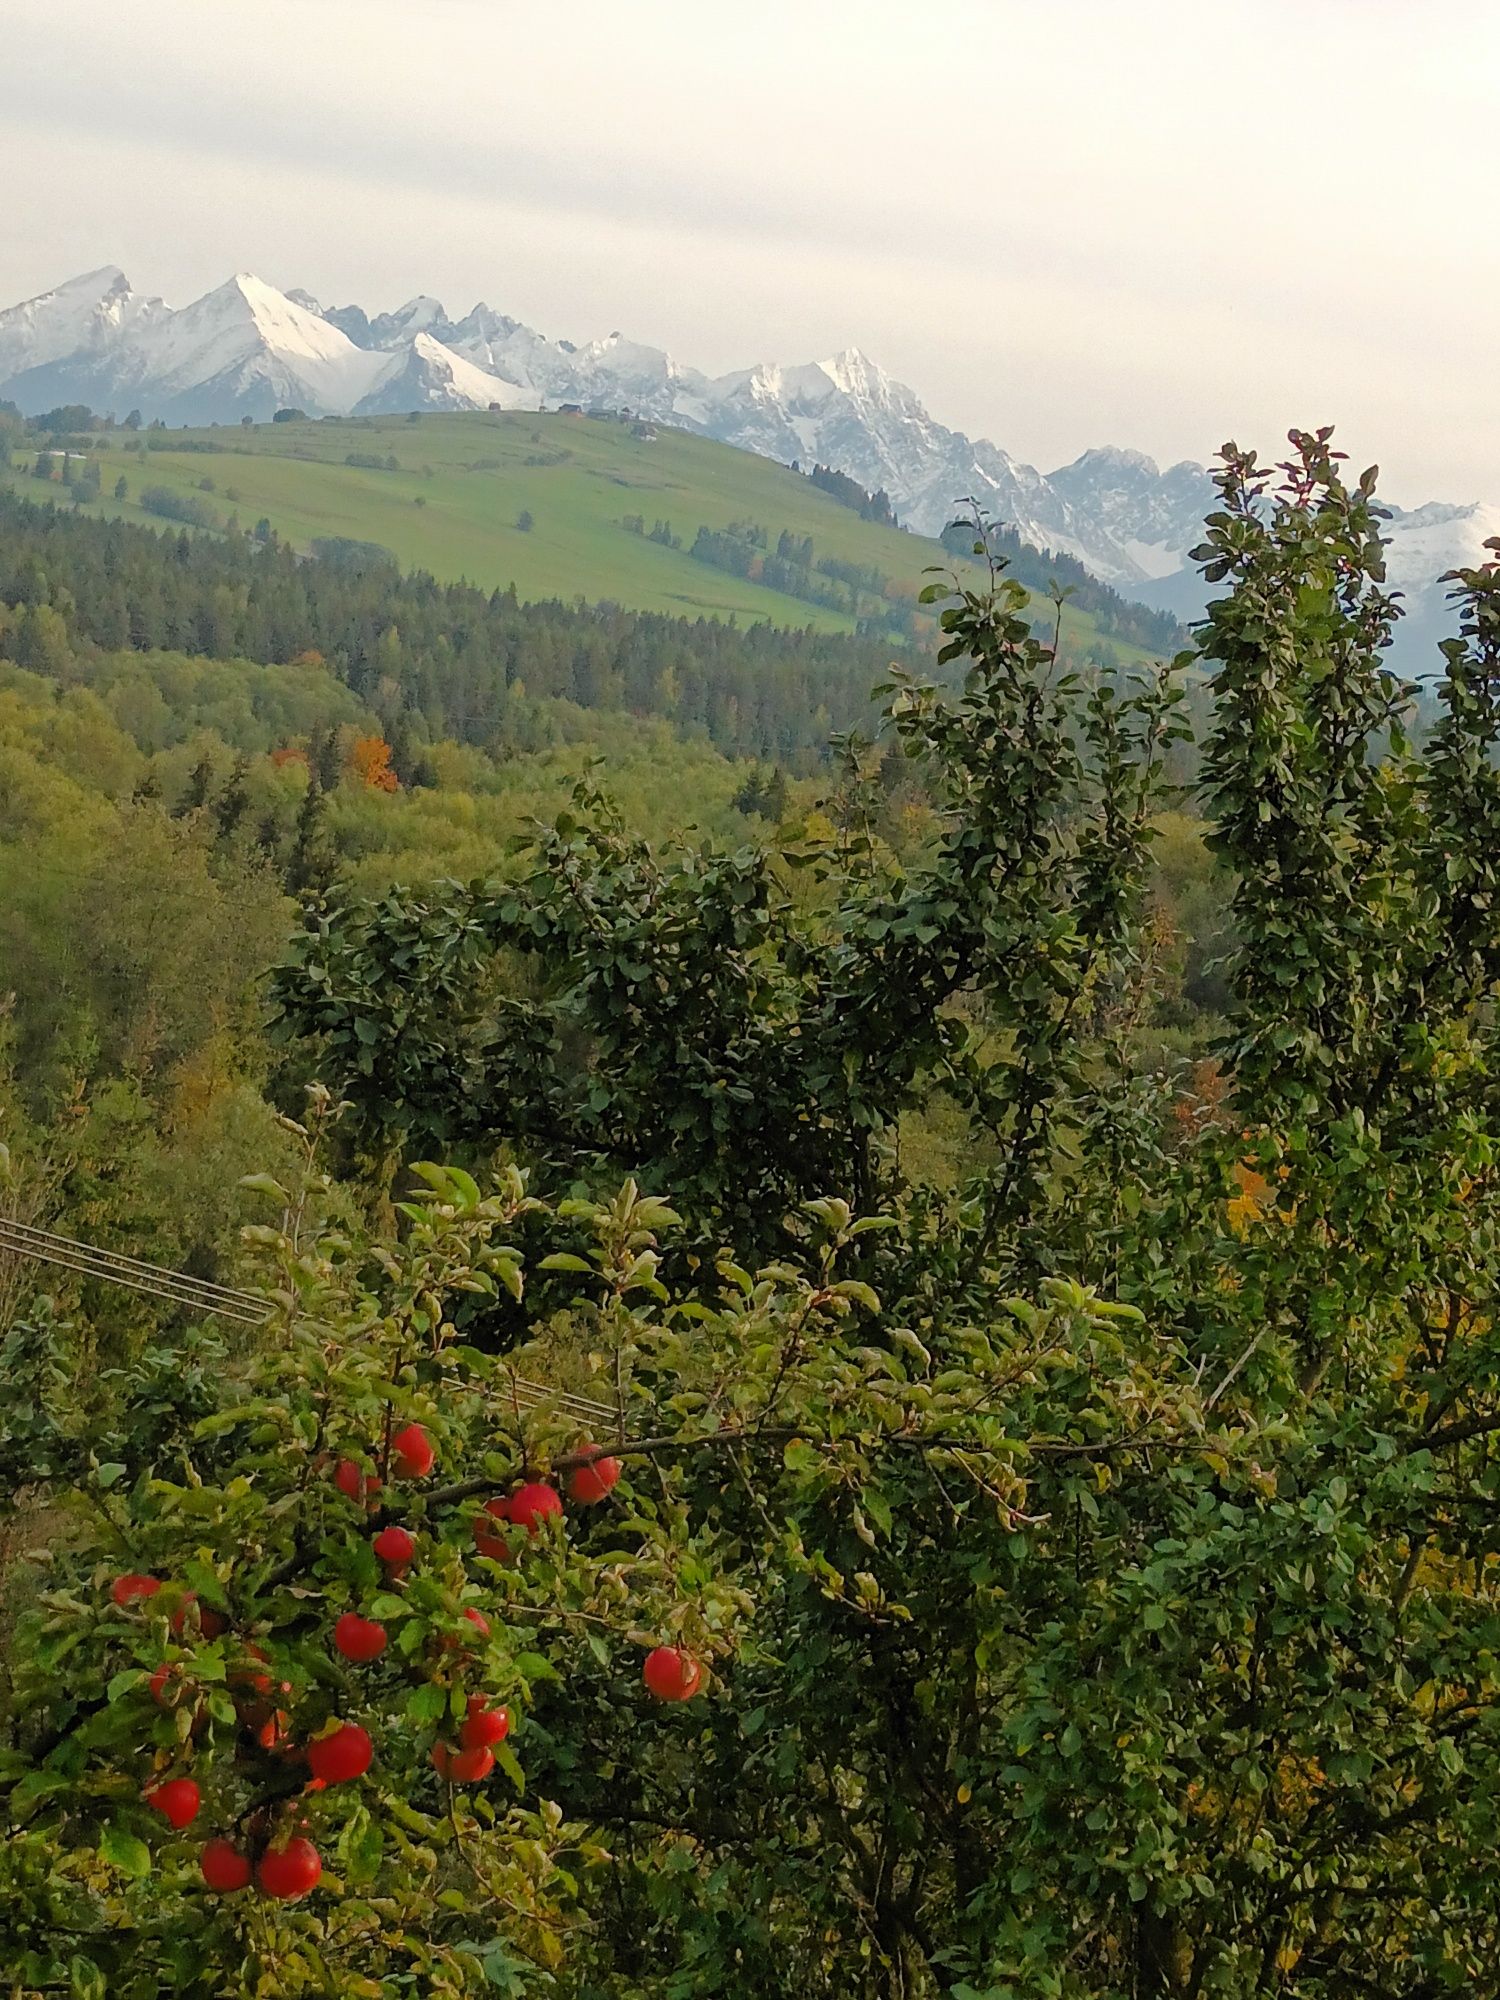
column 246, row 349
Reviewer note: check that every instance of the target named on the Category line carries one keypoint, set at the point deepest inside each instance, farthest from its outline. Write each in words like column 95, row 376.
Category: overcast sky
column 1064, row 222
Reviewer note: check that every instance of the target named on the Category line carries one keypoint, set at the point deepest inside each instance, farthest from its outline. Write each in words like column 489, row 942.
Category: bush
column 345, row 553
column 171, row 506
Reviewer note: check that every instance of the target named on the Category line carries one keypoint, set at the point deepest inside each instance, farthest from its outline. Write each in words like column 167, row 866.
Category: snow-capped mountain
column 429, row 376
column 247, row 349
column 244, row 349
column 81, row 318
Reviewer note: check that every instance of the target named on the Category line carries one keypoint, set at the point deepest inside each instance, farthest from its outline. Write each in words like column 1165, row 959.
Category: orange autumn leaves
column 1254, row 1199
column 368, row 761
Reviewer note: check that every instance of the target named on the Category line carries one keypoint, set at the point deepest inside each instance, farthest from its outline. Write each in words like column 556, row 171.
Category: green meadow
column 462, row 483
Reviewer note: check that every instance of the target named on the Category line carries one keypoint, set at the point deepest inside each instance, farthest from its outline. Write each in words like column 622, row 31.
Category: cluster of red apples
column 288, row 1865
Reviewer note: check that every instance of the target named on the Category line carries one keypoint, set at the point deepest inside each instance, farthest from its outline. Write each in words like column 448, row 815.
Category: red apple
column 359, row 1638
column 210, row 1624
column 165, row 1673
column 413, row 1452
column 354, row 1483
column 133, row 1589
column 531, row 1504
column 176, row 1801
column 289, row 1872
column 488, row 1543
column 274, row 1733
column 591, row 1483
column 343, row 1754
column 478, row 1620
column 395, row 1547
column 224, row 1868
column 483, row 1726
column 468, row 1767
column 442, row 1758
column 248, row 1677
column 671, row 1674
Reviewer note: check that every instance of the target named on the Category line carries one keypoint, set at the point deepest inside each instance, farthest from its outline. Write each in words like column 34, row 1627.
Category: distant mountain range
column 247, row 349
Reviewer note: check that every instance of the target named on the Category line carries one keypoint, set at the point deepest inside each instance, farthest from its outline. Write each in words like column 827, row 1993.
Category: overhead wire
column 229, row 1302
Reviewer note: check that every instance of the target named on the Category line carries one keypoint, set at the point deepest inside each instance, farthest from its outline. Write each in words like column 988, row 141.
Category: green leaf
column 34, row 1786
column 535, row 1667
column 124, row 1683
column 86, row 1979
column 123, row 1851
column 265, row 1184
column 205, row 1581
column 362, row 1847
column 564, row 1260
column 426, row 1704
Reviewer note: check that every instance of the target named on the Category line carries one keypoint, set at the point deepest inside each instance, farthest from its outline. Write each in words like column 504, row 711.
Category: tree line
column 450, row 655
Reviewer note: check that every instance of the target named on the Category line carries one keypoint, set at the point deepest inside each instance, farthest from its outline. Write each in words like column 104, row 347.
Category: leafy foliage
column 1096, row 1569
column 692, row 1020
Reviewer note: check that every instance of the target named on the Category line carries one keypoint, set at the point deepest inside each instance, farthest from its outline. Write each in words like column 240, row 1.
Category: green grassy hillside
column 462, row 483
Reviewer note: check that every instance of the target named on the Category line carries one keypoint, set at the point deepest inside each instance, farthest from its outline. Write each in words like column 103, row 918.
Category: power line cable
column 229, row 1302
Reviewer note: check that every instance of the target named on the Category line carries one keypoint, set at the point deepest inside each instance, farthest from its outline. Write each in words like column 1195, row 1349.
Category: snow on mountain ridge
column 79, row 315
column 431, row 376
column 247, row 341
column 1442, row 535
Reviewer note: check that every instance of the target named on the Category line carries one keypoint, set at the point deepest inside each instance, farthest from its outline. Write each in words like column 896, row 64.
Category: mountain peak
column 257, row 294
column 108, row 278
column 278, row 317
column 432, row 376
column 420, row 313
column 76, row 317
column 852, row 370
column 1104, row 458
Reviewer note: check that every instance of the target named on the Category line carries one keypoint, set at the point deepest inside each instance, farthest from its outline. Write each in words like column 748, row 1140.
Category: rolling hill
column 614, row 509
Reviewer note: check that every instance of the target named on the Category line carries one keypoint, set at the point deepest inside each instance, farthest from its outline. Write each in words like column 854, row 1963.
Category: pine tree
column 234, row 800
column 310, row 868
column 324, row 760
column 195, row 798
